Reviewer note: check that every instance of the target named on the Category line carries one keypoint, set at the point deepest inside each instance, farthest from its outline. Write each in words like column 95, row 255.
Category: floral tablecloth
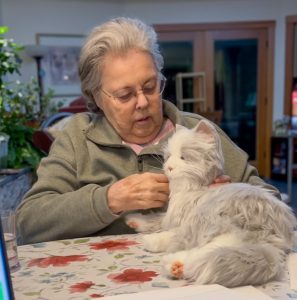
column 90, row 268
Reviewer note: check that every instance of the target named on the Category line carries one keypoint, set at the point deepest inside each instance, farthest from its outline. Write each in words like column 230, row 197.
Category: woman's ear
column 98, row 100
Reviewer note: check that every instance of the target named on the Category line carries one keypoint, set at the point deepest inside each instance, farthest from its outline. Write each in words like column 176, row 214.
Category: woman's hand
column 138, row 191
column 221, row 180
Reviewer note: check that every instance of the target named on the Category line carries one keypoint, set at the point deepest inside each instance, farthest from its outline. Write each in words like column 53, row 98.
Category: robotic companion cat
column 232, row 234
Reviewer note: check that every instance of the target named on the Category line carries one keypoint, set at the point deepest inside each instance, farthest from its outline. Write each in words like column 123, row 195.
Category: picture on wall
column 59, row 66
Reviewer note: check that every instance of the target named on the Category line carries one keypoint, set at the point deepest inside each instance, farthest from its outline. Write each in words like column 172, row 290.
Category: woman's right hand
column 138, row 191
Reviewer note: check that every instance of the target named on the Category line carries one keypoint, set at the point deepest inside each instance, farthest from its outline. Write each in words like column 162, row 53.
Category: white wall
column 28, row 17
column 1, row 13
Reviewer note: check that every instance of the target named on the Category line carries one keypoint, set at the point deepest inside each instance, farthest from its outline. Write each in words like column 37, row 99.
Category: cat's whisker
column 156, row 168
column 158, row 158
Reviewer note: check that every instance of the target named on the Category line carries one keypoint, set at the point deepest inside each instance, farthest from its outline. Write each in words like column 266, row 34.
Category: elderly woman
column 108, row 162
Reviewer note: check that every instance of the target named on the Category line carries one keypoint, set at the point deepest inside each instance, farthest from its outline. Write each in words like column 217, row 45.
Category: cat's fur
column 233, row 234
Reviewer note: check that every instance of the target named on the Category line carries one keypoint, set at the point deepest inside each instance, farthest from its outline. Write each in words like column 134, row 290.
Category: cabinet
column 279, row 157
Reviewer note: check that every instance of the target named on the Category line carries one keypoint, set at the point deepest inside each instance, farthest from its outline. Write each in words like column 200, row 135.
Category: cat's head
column 194, row 155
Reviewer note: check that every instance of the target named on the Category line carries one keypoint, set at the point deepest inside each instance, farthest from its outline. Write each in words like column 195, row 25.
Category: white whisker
column 158, row 158
column 155, row 167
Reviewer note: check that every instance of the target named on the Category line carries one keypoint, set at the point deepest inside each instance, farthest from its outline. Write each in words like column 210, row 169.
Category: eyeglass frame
column 161, row 78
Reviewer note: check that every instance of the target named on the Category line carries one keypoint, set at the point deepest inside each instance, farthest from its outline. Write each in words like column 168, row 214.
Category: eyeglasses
column 153, row 87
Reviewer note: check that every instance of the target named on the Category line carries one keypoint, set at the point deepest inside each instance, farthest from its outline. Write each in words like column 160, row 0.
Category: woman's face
column 139, row 119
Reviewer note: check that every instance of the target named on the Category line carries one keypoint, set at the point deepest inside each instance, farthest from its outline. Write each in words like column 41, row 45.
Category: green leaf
column 3, row 29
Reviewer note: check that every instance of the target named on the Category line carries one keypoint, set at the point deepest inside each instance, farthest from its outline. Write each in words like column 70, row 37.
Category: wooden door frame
column 291, row 21
column 269, row 26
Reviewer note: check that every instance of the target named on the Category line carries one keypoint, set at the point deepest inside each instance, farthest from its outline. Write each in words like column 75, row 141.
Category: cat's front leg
column 158, row 242
column 144, row 223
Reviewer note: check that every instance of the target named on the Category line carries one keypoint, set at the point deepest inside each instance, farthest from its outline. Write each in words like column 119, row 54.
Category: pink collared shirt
column 166, row 128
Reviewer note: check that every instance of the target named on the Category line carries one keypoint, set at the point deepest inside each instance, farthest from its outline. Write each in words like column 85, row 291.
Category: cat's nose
column 169, row 169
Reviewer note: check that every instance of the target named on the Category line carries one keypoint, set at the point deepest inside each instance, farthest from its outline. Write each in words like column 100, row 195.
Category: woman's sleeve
column 57, row 206
column 250, row 175
column 238, row 168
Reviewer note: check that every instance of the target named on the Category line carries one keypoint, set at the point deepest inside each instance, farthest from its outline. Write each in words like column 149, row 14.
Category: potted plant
column 20, row 114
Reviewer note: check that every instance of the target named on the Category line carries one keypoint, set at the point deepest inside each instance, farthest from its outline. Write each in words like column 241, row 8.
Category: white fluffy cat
column 233, row 234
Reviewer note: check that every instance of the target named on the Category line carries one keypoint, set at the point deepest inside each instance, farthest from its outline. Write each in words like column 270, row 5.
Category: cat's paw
column 137, row 222
column 174, row 264
column 157, row 242
column 177, row 270
column 152, row 242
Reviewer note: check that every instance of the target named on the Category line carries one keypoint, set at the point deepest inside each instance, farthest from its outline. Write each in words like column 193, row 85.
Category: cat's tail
column 231, row 266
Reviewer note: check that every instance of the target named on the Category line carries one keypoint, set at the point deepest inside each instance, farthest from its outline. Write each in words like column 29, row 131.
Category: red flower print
column 81, row 287
column 133, row 276
column 96, row 296
column 120, row 244
column 56, row 261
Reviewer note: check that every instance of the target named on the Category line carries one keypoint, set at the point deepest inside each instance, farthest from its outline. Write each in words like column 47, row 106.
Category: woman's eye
column 149, row 88
column 124, row 97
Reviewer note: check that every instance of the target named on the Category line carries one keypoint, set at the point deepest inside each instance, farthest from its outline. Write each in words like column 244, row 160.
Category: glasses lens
column 125, row 95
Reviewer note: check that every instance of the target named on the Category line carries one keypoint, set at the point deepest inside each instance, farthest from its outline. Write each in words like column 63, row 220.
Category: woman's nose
column 142, row 100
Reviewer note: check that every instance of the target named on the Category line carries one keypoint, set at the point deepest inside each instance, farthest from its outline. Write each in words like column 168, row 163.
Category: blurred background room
column 232, row 61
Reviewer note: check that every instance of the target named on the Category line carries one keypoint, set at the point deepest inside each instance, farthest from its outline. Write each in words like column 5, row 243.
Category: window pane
column 178, row 57
column 236, row 90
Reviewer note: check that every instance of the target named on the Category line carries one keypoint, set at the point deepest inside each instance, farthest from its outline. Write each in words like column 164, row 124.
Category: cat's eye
column 182, row 158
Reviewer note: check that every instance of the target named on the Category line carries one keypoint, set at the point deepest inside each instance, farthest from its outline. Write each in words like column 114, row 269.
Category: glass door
column 237, row 60
column 237, row 82
column 178, row 58
column 180, row 52
column 235, row 90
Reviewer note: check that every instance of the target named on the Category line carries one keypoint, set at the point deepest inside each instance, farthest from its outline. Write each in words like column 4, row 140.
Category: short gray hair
column 116, row 36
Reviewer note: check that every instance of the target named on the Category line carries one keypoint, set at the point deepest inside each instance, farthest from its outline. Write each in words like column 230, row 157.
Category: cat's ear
column 179, row 127
column 205, row 127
